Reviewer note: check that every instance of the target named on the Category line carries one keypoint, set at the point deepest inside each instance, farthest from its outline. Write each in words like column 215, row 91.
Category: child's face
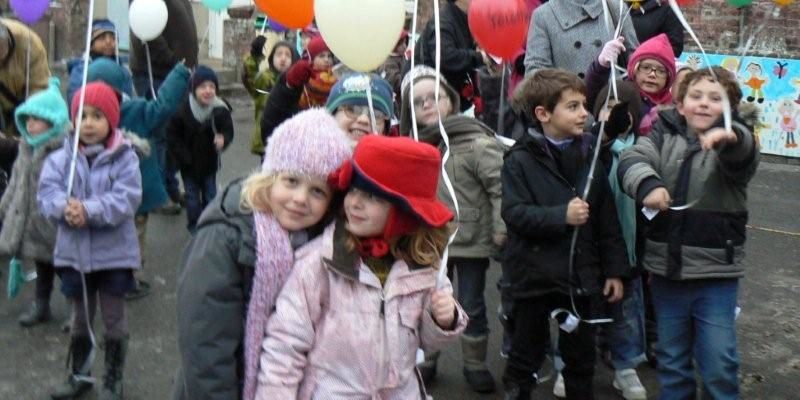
column 678, row 79
column 105, row 44
column 702, row 105
column 323, row 61
column 94, row 126
column 282, row 59
column 355, row 122
column 425, row 106
column 651, row 76
column 366, row 213
column 205, row 93
column 299, row 201
column 36, row 126
column 568, row 118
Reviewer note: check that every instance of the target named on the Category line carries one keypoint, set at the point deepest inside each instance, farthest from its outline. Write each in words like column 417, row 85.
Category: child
column 392, row 68
column 352, row 315
column 305, row 84
column 695, row 254
column 197, row 134
column 474, row 169
column 542, row 176
column 26, row 234
column 96, row 239
column 259, row 75
column 103, row 46
column 239, row 258
column 349, row 105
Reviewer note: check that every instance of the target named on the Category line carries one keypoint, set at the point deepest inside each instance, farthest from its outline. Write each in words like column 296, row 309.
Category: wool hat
column 351, row 90
column 101, row 26
column 660, row 49
column 203, row 73
column 316, row 46
column 106, row 70
column 310, row 143
column 101, row 96
column 401, row 170
column 415, row 75
column 48, row 105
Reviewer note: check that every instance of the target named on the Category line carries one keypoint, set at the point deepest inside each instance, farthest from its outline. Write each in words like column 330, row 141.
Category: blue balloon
column 217, row 5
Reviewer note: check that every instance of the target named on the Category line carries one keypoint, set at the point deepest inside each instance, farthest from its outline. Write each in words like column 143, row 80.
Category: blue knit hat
column 202, row 74
column 101, row 26
column 47, row 105
column 107, row 70
column 352, row 90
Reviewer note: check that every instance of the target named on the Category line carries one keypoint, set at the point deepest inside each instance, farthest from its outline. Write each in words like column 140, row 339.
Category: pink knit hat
column 311, row 143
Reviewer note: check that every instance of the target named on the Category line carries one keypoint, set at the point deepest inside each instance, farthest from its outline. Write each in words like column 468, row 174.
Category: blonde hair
column 422, row 247
column 255, row 192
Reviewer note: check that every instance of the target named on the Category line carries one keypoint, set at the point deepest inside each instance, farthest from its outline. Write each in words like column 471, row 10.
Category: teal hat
column 106, row 70
column 48, row 105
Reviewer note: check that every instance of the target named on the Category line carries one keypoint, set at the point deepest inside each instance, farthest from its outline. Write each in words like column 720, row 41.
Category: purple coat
column 111, row 190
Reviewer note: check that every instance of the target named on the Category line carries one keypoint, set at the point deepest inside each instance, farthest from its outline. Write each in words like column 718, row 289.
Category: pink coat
column 336, row 334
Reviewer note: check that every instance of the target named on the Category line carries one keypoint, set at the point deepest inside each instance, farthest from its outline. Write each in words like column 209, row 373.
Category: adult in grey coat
column 569, row 34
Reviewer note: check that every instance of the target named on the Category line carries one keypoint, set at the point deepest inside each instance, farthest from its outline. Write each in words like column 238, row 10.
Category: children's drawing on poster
column 774, row 86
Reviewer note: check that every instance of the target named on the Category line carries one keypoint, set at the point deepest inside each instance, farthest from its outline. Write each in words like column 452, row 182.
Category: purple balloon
column 30, row 11
column 276, row 26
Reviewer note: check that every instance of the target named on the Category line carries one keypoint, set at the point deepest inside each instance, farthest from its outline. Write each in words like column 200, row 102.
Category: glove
column 299, row 73
column 619, row 120
column 611, row 50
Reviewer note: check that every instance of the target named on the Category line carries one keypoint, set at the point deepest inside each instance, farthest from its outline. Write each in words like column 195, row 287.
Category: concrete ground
column 33, row 360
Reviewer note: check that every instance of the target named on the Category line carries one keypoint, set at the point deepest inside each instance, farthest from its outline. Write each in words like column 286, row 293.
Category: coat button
column 597, row 43
column 578, row 44
column 580, row 291
column 581, row 75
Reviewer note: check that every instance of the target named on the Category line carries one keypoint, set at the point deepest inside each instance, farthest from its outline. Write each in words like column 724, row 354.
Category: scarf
column 626, row 207
column 274, row 260
column 316, row 91
column 202, row 113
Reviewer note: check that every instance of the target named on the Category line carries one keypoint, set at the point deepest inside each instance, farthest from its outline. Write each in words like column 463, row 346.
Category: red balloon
column 500, row 26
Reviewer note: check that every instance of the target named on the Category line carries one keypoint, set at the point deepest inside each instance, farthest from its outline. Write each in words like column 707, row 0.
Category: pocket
column 468, row 226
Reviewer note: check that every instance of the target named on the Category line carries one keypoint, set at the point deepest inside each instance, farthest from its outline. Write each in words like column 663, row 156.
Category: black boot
column 115, row 362
column 76, row 384
column 473, row 349
column 427, row 369
column 38, row 312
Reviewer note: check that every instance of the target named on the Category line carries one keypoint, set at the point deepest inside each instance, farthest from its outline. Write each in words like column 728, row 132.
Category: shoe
column 476, row 372
column 629, row 384
column 427, row 369
column 171, row 208
column 79, row 381
column 558, row 388
column 38, row 312
column 141, row 289
column 116, row 349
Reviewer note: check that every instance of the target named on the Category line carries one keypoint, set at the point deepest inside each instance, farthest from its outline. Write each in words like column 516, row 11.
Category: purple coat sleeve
column 51, row 195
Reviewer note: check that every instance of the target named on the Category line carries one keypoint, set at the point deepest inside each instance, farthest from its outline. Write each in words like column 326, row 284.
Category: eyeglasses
column 419, row 102
column 648, row 69
column 355, row 111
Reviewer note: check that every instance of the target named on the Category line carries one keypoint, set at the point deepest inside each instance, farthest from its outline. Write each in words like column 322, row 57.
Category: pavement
column 32, row 360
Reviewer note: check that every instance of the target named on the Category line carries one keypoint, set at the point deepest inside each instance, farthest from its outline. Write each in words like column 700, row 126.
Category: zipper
column 383, row 303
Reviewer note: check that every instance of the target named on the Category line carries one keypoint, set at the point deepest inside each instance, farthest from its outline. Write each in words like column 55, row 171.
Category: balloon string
column 205, row 35
column 150, row 70
column 372, row 121
column 501, row 113
column 28, row 68
column 413, row 42
column 774, row 11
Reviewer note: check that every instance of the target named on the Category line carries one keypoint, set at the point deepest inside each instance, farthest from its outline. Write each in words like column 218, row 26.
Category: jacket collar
column 572, row 12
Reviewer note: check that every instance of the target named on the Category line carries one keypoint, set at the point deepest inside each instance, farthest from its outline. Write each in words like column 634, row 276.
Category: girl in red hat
column 350, row 318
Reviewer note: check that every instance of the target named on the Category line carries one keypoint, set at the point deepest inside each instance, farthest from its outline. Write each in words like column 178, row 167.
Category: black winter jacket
column 191, row 143
column 535, row 198
column 656, row 17
column 282, row 104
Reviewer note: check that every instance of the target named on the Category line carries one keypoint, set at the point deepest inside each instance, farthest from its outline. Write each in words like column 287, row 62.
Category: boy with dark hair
column 695, row 254
column 543, row 174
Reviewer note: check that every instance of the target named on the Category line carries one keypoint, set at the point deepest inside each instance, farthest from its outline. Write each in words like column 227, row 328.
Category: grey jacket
column 707, row 239
column 569, row 34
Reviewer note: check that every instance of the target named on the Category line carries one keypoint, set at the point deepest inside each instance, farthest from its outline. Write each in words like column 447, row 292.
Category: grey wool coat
column 26, row 233
column 569, row 34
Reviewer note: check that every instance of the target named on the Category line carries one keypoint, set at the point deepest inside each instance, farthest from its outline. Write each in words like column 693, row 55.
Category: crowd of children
column 317, row 275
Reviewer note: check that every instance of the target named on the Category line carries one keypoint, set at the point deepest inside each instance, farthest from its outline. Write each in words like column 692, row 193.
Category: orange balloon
column 295, row 14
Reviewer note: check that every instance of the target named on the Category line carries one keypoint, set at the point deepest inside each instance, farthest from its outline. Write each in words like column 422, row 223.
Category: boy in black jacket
column 543, row 176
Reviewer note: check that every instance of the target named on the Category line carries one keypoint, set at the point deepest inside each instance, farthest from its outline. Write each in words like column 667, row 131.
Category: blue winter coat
column 75, row 70
column 111, row 190
column 144, row 117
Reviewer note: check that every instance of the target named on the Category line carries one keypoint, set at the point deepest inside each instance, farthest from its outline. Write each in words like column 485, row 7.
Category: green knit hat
column 48, row 105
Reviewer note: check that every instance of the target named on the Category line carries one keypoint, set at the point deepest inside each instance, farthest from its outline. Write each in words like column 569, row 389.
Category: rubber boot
column 427, row 369
column 74, row 387
column 476, row 372
column 116, row 349
column 38, row 312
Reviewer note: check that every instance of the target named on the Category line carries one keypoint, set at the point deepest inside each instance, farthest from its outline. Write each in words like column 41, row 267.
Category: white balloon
column 361, row 33
column 147, row 18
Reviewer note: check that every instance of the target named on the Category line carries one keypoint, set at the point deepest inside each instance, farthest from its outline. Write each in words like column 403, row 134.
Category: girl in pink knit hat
column 246, row 242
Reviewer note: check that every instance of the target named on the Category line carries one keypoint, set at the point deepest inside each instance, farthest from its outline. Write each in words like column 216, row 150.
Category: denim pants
column 696, row 320
column 471, row 274
column 198, row 194
column 626, row 335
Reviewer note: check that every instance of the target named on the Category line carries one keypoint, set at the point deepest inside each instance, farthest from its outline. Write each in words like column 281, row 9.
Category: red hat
column 658, row 48
column 316, row 46
column 101, row 96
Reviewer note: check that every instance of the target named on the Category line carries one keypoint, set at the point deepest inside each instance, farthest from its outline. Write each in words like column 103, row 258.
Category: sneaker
column 627, row 381
column 171, row 208
column 558, row 387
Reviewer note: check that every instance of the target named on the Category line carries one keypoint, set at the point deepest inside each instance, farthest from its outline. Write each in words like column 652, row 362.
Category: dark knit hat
column 100, row 96
column 106, row 70
column 203, row 73
column 352, row 90
column 101, row 26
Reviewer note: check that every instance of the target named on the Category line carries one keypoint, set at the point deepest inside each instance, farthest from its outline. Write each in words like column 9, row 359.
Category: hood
column 225, row 209
column 454, row 126
column 415, row 75
column 659, row 48
column 47, row 105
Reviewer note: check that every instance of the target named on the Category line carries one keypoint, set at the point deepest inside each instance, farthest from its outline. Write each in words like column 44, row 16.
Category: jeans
column 696, row 320
column 626, row 335
column 471, row 274
column 198, row 194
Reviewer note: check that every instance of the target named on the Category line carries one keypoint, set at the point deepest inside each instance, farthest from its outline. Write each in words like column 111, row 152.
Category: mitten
column 619, row 120
column 611, row 50
column 299, row 73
